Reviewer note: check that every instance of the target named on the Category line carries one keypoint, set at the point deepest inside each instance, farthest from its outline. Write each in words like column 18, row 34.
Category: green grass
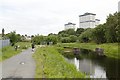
column 51, row 64
column 24, row 45
column 110, row 49
column 9, row 51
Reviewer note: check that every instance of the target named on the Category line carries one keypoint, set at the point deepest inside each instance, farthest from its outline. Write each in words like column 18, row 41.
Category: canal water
column 96, row 67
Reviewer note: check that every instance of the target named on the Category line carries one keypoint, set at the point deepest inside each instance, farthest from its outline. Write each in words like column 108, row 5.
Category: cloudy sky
column 49, row 16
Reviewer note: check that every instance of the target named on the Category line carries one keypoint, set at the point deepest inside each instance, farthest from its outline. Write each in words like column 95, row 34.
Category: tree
column 32, row 36
column 111, row 28
column 98, row 34
column 70, row 31
column 51, row 34
column 118, row 28
column 52, row 38
column 65, row 39
column 38, row 39
column 86, row 35
column 73, row 38
column 18, row 37
column 79, row 31
column 13, row 38
column 66, row 33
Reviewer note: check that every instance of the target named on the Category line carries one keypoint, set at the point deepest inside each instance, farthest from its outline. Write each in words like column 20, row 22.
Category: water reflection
column 88, row 67
column 99, row 72
column 95, row 66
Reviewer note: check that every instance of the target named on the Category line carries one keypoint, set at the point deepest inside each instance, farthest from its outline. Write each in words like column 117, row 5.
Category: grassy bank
column 110, row 49
column 24, row 45
column 10, row 51
column 51, row 64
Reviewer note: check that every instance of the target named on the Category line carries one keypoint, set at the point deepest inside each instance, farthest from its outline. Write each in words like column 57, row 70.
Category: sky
column 42, row 17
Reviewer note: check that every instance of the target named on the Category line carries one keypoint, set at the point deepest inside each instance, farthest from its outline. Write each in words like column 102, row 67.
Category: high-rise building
column 88, row 20
column 70, row 26
column 119, row 6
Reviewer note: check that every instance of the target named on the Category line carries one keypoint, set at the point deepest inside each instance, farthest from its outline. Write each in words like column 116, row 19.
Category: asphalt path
column 19, row 66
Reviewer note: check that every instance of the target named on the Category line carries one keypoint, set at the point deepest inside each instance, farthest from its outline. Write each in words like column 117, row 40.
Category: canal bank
column 110, row 49
column 51, row 64
column 92, row 65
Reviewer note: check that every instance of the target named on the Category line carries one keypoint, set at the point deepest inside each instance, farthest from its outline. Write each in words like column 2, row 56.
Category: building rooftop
column 87, row 14
column 97, row 19
column 69, row 23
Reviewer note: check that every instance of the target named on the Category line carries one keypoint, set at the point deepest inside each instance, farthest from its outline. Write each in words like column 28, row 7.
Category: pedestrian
column 33, row 46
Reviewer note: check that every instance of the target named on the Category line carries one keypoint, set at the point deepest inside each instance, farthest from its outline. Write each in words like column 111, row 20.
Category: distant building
column 88, row 20
column 70, row 26
column 119, row 6
column 97, row 22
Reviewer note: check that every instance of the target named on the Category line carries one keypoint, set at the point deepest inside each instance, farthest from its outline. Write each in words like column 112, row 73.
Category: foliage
column 66, row 33
column 70, row 32
column 10, row 51
column 52, row 38
column 65, row 40
column 38, row 39
column 79, row 31
column 111, row 28
column 73, row 38
column 118, row 28
column 14, row 38
column 98, row 34
column 62, row 34
column 86, row 35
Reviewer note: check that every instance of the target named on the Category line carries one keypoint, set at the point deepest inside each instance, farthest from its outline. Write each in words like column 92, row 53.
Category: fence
column 4, row 43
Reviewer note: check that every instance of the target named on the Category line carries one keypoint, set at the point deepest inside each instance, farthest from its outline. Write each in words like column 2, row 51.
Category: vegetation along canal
column 93, row 65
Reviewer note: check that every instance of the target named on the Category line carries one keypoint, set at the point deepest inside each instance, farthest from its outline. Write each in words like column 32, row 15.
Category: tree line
column 109, row 32
column 14, row 37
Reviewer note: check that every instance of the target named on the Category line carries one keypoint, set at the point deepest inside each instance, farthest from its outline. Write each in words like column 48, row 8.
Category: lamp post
column 3, row 32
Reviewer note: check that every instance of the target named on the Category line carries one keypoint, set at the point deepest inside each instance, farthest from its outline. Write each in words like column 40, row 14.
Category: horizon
column 43, row 17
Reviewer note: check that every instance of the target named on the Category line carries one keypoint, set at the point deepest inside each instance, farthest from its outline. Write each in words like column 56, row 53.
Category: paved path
column 19, row 66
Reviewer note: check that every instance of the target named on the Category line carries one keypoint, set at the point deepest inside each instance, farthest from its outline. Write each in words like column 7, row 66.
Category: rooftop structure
column 69, row 25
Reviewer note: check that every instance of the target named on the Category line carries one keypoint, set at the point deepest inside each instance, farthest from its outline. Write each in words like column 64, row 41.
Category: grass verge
column 110, row 49
column 51, row 64
column 10, row 51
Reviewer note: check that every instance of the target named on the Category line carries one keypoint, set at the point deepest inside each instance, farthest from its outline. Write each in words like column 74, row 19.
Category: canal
column 94, row 66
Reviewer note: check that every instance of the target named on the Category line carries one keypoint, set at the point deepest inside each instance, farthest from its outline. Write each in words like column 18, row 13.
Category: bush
column 65, row 40
column 86, row 35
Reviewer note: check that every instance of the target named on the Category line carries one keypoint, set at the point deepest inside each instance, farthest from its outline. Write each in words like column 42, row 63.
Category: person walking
column 33, row 46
